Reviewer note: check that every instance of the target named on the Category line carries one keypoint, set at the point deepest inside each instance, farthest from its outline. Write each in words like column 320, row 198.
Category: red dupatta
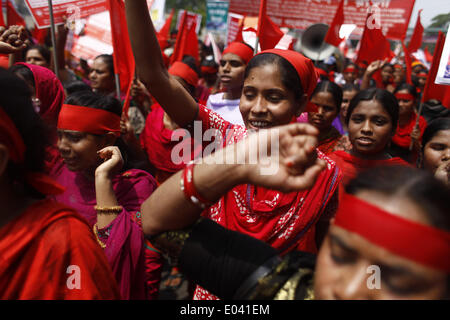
column 402, row 137
column 351, row 165
column 38, row 247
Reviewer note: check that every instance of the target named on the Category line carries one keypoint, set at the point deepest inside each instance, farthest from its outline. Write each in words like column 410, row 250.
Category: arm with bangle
column 179, row 201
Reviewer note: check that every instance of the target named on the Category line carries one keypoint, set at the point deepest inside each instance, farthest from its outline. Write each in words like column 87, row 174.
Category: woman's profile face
column 79, row 150
column 369, row 128
column 101, row 78
column 350, row 267
column 437, row 151
column 265, row 101
column 326, row 111
column 33, row 56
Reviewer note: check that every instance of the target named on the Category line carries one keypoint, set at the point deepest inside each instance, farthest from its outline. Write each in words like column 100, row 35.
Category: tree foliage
column 440, row 21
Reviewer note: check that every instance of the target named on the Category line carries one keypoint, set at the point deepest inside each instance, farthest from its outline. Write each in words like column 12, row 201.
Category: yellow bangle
column 97, row 237
column 108, row 210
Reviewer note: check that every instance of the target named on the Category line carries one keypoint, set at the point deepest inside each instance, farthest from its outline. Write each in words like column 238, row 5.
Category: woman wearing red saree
column 277, row 85
column 371, row 120
column 47, row 249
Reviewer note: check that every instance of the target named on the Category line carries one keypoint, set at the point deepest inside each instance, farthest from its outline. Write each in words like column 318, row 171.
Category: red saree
column 41, row 248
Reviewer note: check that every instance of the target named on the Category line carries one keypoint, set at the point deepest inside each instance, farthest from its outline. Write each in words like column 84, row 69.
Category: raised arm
column 295, row 168
column 169, row 93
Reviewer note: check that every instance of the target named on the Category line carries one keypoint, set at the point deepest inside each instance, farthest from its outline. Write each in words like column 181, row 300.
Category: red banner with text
column 72, row 9
column 392, row 15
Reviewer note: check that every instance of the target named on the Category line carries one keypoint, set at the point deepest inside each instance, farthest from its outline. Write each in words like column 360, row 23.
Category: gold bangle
column 108, row 210
column 97, row 237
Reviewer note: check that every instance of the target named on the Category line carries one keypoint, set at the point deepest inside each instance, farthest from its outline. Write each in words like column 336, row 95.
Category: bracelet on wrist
column 189, row 190
column 108, row 210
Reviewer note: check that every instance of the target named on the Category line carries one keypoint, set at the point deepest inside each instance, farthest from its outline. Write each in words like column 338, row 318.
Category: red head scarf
column 11, row 138
column 49, row 91
column 423, row 244
column 89, row 120
column 182, row 70
column 304, row 67
column 240, row 49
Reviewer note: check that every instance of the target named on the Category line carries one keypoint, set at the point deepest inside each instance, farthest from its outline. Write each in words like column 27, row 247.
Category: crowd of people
column 94, row 203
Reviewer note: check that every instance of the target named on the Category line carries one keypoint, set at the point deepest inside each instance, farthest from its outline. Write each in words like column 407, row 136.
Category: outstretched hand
column 374, row 66
column 112, row 161
column 284, row 158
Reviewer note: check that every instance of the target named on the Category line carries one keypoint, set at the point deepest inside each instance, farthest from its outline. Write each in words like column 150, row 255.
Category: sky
column 431, row 8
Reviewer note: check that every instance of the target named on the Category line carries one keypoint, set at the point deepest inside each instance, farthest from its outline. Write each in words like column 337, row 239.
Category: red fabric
column 304, row 66
column 4, row 61
column 332, row 36
column 89, row 120
column 2, row 21
column 164, row 32
column 416, row 38
column 157, row 143
column 420, row 243
column 183, row 71
column 432, row 90
column 240, row 49
column 40, row 34
column 402, row 137
column 269, row 33
column 187, row 41
column 373, row 45
column 12, row 16
column 38, row 247
column 408, row 63
column 351, row 165
column 428, row 55
column 49, row 91
column 124, row 64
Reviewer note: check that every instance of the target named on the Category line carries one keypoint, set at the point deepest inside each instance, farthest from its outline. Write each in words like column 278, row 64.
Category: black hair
column 387, row 64
column 43, row 51
column 108, row 60
column 97, row 101
column 15, row 100
column 434, row 127
column 333, row 88
column 350, row 87
column 289, row 76
column 384, row 97
column 24, row 72
column 76, row 86
column 406, row 86
column 419, row 186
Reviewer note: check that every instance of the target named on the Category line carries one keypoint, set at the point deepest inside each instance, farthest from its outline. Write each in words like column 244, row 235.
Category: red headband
column 422, row 75
column 208, row 70
column 89, row 120
column 404, row 96
column 240, row 49
column 350, row 69
column 417, row 242
column 398, row 66
column 182, row 70
column 304, row 67
column 11, row 138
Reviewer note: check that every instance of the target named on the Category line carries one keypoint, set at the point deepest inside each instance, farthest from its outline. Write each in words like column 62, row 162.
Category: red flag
column 239, row 36
column 416, row 39
column 269, row 33
column 13, row 18
column 428, row 55
column 332, row 36
column 39, row 34
column 164, row 33
column 187, row 41
column 373, row 45
column 433, row 90
column 407, row 63
column 181, row 30
column 124, row 64
column 2, row 22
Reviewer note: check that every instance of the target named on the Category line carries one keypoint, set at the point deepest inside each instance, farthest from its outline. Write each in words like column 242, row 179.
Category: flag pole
column 52, row 31
column 255, row 51
column 116, row 76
